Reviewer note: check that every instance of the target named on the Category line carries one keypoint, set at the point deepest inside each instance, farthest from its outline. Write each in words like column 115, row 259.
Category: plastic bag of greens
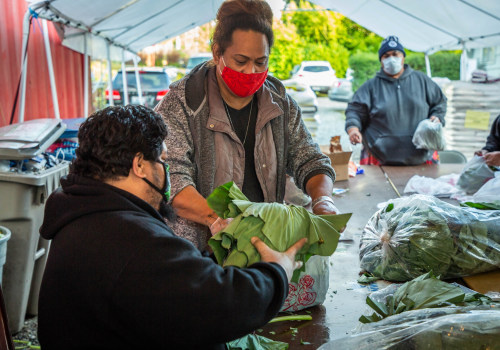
column 458, row 328
column 474, row 175
column 417, row 234
column 423, row 292
column 429, row 135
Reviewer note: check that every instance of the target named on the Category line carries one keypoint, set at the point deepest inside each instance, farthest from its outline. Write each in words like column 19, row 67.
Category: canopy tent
column 113, row 29
column 124, row 24
column 426, row 25
column 118, row 29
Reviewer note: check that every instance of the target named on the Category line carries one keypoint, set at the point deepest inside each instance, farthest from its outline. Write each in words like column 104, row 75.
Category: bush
column 443, row 64
column 364, row 65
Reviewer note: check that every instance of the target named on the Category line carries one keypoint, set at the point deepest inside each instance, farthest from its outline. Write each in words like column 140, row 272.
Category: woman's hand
column 325, row 208
column 435, row 119
column 286, row 259
column 219, row 224
column 354, row 135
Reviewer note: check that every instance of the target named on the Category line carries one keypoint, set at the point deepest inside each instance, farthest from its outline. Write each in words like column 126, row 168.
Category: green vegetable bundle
column 423, row 292
column 418, row 234
column 444, row 328
column 278, row 225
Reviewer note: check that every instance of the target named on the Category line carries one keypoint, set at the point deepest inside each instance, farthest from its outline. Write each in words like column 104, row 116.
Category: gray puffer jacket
column 204, row 152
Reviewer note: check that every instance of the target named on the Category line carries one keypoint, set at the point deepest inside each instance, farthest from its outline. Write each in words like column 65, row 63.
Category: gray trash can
column 22, row 204
column 4, row 237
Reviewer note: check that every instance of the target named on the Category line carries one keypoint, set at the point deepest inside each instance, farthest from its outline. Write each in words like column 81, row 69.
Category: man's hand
column 354, row 135
column 286, row 259
column 435, row 119
column 492, row 158
column 219, row 224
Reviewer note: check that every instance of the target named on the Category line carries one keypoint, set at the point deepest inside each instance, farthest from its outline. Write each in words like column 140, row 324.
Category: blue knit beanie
column 390, row 43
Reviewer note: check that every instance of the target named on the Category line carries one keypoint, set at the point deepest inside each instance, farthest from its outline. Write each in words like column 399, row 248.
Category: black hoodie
column 118, row 278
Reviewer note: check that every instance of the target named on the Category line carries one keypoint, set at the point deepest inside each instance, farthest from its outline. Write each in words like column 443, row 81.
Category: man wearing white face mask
column 385, row 111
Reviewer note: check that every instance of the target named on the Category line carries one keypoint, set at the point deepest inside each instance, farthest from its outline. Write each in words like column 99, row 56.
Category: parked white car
column 319, row 75
column 342, row 91
column 302, row 94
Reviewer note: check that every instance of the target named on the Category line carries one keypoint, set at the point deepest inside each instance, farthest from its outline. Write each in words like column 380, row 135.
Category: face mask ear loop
column 222, row 58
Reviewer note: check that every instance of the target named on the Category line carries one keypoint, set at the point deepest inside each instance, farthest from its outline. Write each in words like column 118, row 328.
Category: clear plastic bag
column 429, row 135
column 474, row 175
column 461, row 328
column 416, row 234
column 443, row 186
column 489, row 192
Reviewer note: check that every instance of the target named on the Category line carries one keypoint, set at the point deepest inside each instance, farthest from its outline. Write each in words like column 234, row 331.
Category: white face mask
column 392, row 65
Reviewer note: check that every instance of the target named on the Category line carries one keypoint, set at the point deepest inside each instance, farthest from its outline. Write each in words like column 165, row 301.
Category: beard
column 157, row 200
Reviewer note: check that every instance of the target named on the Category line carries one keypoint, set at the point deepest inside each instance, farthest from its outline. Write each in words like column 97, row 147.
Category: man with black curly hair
column 117, row 277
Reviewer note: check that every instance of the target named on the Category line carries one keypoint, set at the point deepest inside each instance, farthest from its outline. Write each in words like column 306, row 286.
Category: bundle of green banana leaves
column 278, row 225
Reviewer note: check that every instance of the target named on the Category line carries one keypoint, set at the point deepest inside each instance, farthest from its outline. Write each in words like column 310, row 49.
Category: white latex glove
column 219, row 224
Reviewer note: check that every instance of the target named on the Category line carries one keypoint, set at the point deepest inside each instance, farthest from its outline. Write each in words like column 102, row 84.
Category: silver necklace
column 230, row 122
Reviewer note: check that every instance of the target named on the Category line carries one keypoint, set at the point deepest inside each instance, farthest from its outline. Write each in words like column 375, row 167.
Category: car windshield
column 316, row 69
column 149, row 81
column 194, row 61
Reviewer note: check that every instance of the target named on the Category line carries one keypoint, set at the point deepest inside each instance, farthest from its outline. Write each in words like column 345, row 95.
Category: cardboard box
column 340, row 161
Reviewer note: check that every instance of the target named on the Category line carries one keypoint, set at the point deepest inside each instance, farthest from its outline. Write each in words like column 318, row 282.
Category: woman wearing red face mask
column 230, row 121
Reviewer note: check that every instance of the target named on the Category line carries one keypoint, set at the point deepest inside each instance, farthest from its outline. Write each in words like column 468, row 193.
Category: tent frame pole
column 50, row 66
column 138, row 80
column 110, row 76
column 24, row 66
column 428, row 65
column 124, row 78
column 85, row 78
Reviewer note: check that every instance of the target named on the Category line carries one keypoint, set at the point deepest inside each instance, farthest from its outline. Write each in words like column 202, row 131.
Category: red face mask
column 242, row 84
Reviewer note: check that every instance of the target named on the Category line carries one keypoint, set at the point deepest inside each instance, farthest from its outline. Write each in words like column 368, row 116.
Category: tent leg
column 110, row 77
column 24, row 66
column 51, row 69
column 124, row 77
column 428, row 66
column 138, row 80
column 85, row 78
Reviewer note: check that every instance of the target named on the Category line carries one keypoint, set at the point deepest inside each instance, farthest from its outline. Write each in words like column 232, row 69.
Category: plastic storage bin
column 22, row 204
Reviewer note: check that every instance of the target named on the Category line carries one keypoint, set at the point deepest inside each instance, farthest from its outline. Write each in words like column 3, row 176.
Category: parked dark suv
column 154, row 85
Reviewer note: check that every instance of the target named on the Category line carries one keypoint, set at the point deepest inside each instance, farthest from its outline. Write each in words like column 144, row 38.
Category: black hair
column 253, row 15
column 110, row 139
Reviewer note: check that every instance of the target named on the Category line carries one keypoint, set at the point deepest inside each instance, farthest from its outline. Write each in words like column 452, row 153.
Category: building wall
column 488, row 59
column 68, row 69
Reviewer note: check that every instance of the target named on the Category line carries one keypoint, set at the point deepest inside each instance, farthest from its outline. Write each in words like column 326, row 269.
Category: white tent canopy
column 125, row 24
column 426, row 25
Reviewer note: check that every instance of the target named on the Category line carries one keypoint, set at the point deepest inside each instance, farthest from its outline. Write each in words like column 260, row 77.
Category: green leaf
column 367, row 278
column 278, row 225
column 256, row 342
column 482, row 206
